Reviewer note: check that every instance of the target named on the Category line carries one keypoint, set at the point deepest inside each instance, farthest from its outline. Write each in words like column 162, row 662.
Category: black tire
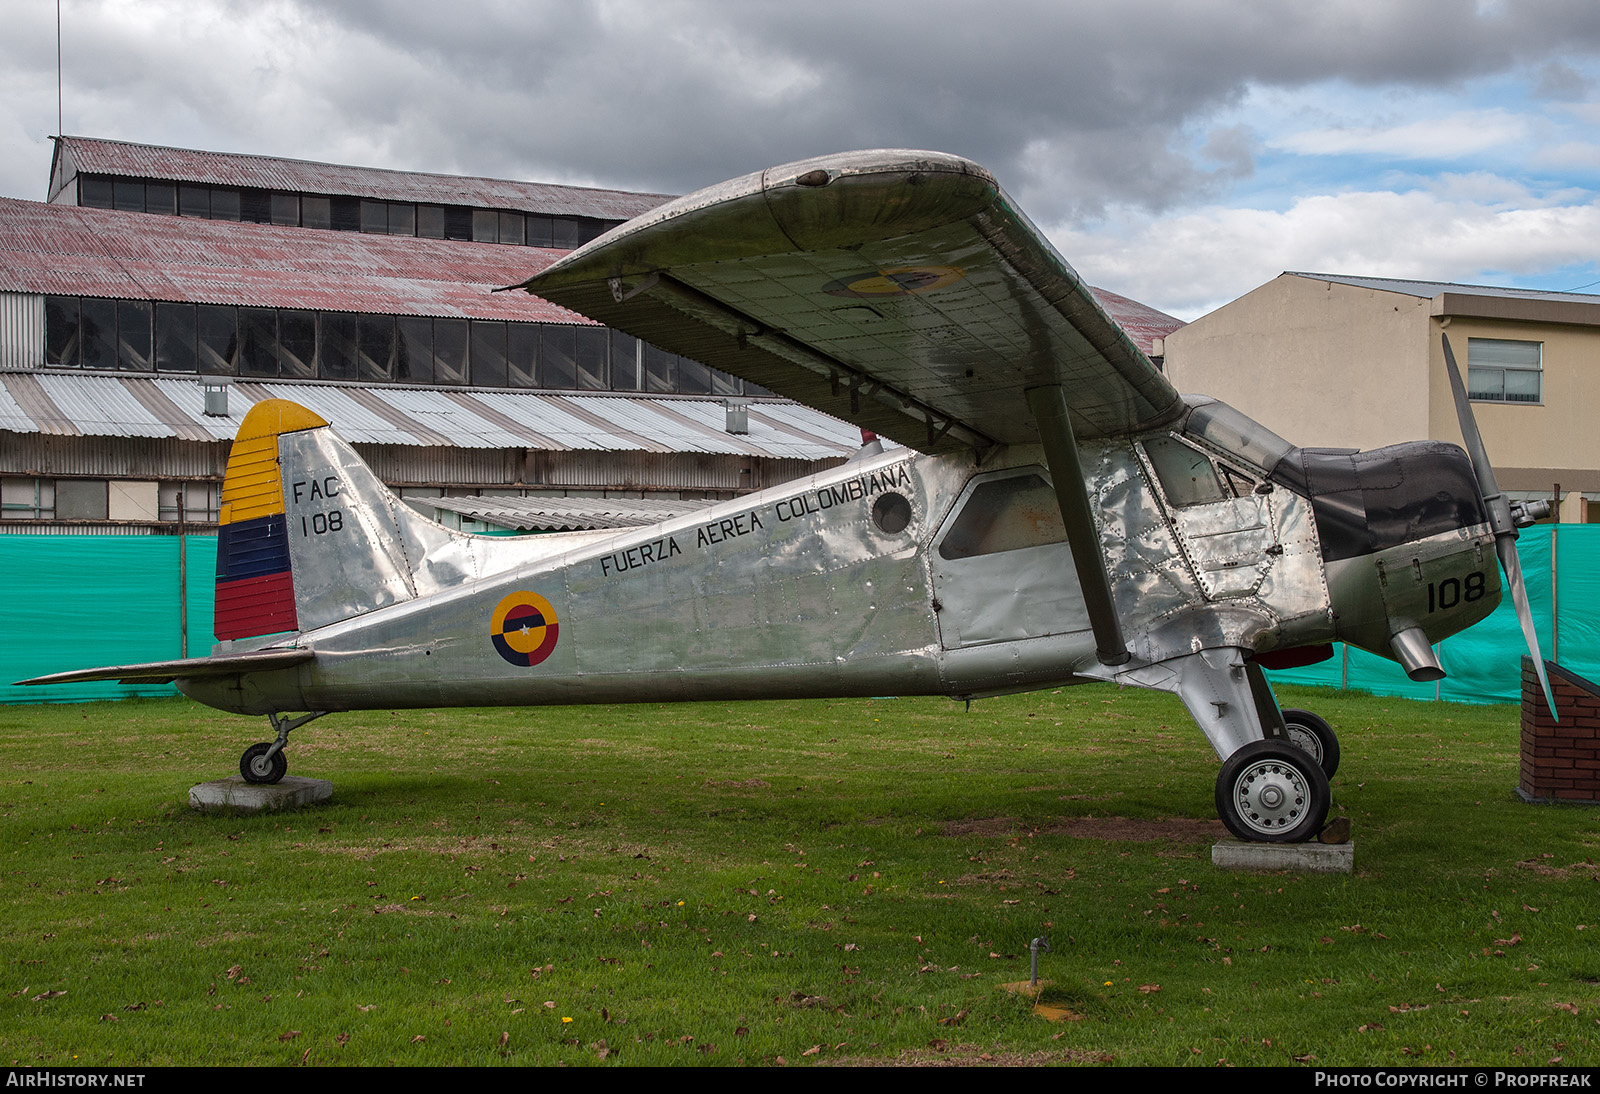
column 1269, row 792
column 256, row 770
column 1314, row 735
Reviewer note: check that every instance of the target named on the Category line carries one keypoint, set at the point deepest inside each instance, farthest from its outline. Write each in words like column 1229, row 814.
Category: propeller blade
column 1506, row 548
column 1501, row 519
column 1469, row 427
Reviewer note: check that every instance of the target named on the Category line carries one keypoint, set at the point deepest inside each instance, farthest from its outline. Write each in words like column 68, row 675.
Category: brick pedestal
column 1560, row 760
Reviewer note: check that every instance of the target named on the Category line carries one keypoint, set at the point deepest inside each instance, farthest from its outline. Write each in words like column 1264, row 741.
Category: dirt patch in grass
column 1577, row 869
column 1130, row 829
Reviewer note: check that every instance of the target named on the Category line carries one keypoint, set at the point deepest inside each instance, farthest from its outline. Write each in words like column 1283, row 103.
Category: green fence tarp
column 84, row 601
column 78, row 602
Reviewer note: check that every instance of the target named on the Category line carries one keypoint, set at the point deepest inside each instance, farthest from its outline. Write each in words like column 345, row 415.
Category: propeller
column 1505, row 518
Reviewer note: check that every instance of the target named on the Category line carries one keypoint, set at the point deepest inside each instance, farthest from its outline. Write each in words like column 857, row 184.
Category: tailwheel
column 1269, row 792
column 258, row 767
column 1314, row 735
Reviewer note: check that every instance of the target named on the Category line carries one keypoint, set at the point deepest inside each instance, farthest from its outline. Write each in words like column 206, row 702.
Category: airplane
column 1054, row 511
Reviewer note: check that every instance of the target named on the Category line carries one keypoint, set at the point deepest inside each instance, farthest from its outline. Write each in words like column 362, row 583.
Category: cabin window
column 1188, row 477
column 1500, row 370
column 1005, row 515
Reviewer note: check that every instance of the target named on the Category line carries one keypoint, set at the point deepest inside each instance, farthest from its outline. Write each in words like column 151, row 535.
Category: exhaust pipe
column 1416, row 656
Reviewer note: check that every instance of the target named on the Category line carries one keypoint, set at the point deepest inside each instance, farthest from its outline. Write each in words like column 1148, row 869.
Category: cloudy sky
column 1177, row 151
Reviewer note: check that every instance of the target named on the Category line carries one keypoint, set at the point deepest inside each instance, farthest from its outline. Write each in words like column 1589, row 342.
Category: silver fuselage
column 814, row 588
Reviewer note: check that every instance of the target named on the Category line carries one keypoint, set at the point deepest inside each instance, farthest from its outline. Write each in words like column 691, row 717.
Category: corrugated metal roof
column 1143, row 323
column 102, row 157
column 1430, row 289
column 109, row 405
column 563, row 514
column 667, row 429
column 65, row 250
column 102, row 410
column 551, row 419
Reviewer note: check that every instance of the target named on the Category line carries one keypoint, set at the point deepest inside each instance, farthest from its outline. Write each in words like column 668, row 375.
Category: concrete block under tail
column 1323, row 858
column 235, row 795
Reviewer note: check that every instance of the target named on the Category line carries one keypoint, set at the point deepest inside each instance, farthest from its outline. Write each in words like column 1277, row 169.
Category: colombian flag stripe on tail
column 255, row 583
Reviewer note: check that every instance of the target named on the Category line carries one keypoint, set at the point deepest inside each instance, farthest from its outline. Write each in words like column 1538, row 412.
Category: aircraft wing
column 899, row 290
column 162, row 672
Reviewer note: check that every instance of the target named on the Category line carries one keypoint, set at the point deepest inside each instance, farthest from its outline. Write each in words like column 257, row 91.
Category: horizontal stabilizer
column 162, row 672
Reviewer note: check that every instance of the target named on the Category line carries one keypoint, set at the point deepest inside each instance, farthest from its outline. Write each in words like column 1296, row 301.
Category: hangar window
column 290, row 343
column 161, row 197
column 286, row 209
column 414, row 362
column 82, row 499
column 61, row 330
column 1500, row 370
column 193, row 502
column 27, row 499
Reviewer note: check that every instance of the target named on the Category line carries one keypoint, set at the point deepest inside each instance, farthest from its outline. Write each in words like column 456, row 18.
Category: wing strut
column 1049, row 406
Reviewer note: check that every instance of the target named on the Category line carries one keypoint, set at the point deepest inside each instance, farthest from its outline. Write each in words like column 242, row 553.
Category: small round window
column 891, row 513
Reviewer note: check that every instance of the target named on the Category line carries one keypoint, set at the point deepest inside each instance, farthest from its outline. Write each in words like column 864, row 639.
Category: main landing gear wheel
column 256, row 767
column 1313, row 735
column 1269, row 792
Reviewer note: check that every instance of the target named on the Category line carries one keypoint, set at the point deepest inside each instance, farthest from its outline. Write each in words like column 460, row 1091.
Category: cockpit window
column 1231, row 432
column 1188, row 477
column 1005, row 515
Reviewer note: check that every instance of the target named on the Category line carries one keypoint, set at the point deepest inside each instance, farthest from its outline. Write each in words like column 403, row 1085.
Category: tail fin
column 310, row 535
column 255, row 586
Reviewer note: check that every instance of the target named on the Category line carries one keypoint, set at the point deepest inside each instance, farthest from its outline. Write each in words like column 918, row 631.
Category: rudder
column 255, row 583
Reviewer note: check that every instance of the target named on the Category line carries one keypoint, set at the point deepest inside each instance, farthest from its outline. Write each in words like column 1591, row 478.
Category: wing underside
column 899, row 290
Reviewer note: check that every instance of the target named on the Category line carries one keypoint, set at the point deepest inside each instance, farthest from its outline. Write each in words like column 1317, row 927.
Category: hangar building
column 162, row 291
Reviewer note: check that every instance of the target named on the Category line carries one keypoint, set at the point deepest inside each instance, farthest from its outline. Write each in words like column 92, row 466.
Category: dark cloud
column 1073, row 105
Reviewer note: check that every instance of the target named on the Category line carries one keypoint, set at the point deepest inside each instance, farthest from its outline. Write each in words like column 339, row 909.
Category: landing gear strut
column 265, row 762
column 1272, row 792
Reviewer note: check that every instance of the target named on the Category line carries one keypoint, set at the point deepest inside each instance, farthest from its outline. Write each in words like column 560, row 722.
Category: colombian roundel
column 524, row 629
column 904, row 281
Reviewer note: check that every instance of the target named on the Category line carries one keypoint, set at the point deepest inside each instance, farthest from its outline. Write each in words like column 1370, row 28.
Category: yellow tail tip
column 271, row 417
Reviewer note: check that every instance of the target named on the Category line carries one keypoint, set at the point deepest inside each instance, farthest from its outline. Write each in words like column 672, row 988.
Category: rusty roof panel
column 1143, row 323
column 65, row 250
column 102, row 157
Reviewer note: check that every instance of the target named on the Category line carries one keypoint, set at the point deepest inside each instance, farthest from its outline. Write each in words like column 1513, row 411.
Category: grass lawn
column 821, row 882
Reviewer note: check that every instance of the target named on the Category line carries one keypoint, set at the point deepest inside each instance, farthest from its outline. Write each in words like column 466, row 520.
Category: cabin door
column 1002, row 569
